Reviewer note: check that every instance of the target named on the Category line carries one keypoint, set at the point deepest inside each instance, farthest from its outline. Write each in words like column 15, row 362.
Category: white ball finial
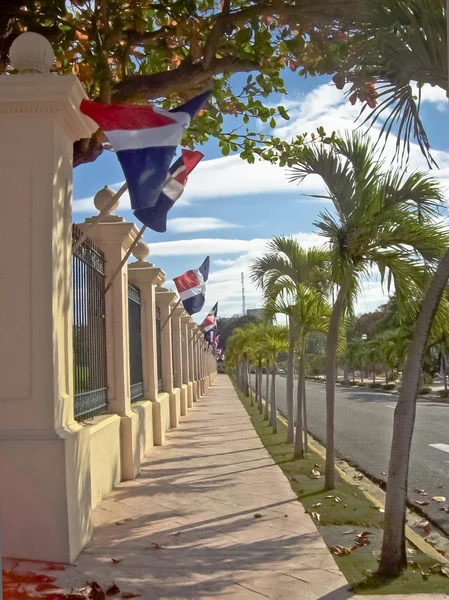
column 102, row 199
column 141, row 251
column 31, row 53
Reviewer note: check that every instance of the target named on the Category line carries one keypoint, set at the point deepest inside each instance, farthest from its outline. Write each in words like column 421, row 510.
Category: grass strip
column 342, row 514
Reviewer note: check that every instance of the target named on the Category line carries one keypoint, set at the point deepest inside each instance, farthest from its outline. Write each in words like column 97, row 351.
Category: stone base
column 189, row 394
column 129, row 427
column 105, row 459
column 175, row 407
column 184, row 399
column 144, row 434
column 45, row 494
column 161, row 418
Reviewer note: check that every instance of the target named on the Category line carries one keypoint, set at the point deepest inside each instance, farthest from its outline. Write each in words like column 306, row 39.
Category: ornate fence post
column 146, row 276
column 166, row 300
column 114, row 236
column 191, row 327
column 44, row 453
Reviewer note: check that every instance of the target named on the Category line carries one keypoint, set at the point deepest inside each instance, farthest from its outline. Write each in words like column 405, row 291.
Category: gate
column 135, row 343
column 89, row 333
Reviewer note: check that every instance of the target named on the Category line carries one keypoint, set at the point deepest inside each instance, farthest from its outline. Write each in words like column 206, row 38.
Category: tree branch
column 187, row 75
column 214, row 36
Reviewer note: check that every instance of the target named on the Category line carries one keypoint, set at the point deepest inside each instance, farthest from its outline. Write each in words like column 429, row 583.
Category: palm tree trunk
column 444, row 371
column 394, row 558
column 251, row 398
column 290, row 380
column 304, row 406
column 265, row 416
column 274, row 421
column 299, row 444
column 260, row 386
column 332, row 344
column 374, row 373
column 256, row 385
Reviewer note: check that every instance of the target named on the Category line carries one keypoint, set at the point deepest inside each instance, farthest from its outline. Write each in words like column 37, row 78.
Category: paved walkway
column 186, row 527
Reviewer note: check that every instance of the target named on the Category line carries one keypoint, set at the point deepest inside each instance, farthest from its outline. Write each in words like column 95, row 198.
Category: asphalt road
column 363, row 428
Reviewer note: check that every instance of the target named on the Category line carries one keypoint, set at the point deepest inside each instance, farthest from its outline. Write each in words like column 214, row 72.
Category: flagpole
column 95, row 220
column 125, row 258
column 171, row 314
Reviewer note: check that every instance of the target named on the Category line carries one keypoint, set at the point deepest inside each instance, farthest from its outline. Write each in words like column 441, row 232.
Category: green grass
column 350, row 511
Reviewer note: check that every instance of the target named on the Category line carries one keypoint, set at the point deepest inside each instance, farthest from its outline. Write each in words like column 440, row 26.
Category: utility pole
column 243, row 295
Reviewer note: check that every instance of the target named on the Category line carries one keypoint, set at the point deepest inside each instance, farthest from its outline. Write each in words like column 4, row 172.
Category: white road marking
column 443, row 447
column 390, row 406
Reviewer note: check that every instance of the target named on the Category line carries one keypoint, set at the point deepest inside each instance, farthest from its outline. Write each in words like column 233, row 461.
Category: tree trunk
column 394, row 558
column 331, row 356
column 251, row 399
column 304, row 407
column 386, row 376
column 299, row 444
column 274, row 420
column 260, row 387
column 444, row 371
column 346, row 373
column 290, row 380
column 374, row 373
column 256, row 385
column 265, row 416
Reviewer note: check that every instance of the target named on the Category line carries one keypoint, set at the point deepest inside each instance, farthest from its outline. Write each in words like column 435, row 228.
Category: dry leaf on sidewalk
column 422, row 502
column 129, row 595
column 439, row 498
column 314, row 474
column 116, row 560
column 113, row 590
column 421, row 492
column 362, row 539
column 340, row 550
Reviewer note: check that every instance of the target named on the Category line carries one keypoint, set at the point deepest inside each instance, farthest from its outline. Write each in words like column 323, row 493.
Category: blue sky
column 230, row 209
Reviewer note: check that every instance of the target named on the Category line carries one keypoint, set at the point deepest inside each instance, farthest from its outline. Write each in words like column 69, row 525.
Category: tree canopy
column 169, row 50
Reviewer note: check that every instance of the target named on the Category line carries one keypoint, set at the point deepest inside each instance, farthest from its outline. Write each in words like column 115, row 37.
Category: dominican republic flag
column 145, row 140
column 191, row 287
column 210, row 324
column 155, row 217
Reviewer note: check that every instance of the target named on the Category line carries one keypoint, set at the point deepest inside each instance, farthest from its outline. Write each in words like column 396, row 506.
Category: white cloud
column 188, row 225
column 201, row 246
column 223, row 262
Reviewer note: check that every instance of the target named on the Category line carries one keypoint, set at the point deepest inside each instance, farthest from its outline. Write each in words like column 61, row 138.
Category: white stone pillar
column 186, row 361
column 145, row 276
column 45, row 493
column 166, row 300
column 191, row 327
column 178, row 347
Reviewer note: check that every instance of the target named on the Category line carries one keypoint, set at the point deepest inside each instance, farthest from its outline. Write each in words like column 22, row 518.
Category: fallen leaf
column 441, row 551
column 445, row 571
column 383, row 473
column 422, row 492
column 431, row 541
column 423, row 524
column 156, row 546
column 337, row 499
column 362, row 539
column 316, row 505
column 113, row 590
column 286, row 516
column 357, row 476
column 367, row 573
column 293, row 479
column 316, row 516
column 422, row 502
column 316, row 466
column 129, row 595
column 257, row 516
column 54, row 567
column 445, row 508
column 340, row 550
column 97, row 592
column 314, row 474
column 411, row 550
column 123, row 521
column 425, row 575
column 439, row 498
column 116, row 560
column 435, row 568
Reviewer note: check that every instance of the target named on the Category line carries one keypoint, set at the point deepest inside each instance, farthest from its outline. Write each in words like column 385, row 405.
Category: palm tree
column 276, row 341
column 283, row 267
column 399, row 42
column 380, row 219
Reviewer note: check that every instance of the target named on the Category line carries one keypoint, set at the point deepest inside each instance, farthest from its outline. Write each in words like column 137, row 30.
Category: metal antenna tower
column 243, row 295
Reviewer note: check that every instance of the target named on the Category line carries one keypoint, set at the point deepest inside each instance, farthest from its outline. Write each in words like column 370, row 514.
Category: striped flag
column 145, row 140
column 155, row 217
column 210, row 324
column 191, row 287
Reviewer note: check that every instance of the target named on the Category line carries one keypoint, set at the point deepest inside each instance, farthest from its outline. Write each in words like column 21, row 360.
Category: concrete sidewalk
column 187, row 526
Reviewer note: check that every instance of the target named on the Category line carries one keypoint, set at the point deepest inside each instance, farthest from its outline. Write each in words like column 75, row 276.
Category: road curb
column 411, row 536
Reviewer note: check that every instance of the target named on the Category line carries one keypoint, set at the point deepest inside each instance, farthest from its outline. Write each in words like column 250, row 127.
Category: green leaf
column 284, row 114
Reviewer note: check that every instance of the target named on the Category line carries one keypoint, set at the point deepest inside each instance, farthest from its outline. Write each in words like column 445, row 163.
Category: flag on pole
column 191, row 287
column 145, row 140
column 155, row 217
column 210, row 324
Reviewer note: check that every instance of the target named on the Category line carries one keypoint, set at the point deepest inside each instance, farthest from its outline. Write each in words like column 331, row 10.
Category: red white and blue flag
column 145, row 140
column 191, row 287
column 210, row 324
column 155, row 217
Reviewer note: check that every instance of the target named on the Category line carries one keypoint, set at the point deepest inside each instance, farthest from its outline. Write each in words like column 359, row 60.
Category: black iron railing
column 135, row 343
column 159, row 349
column 89, row 333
